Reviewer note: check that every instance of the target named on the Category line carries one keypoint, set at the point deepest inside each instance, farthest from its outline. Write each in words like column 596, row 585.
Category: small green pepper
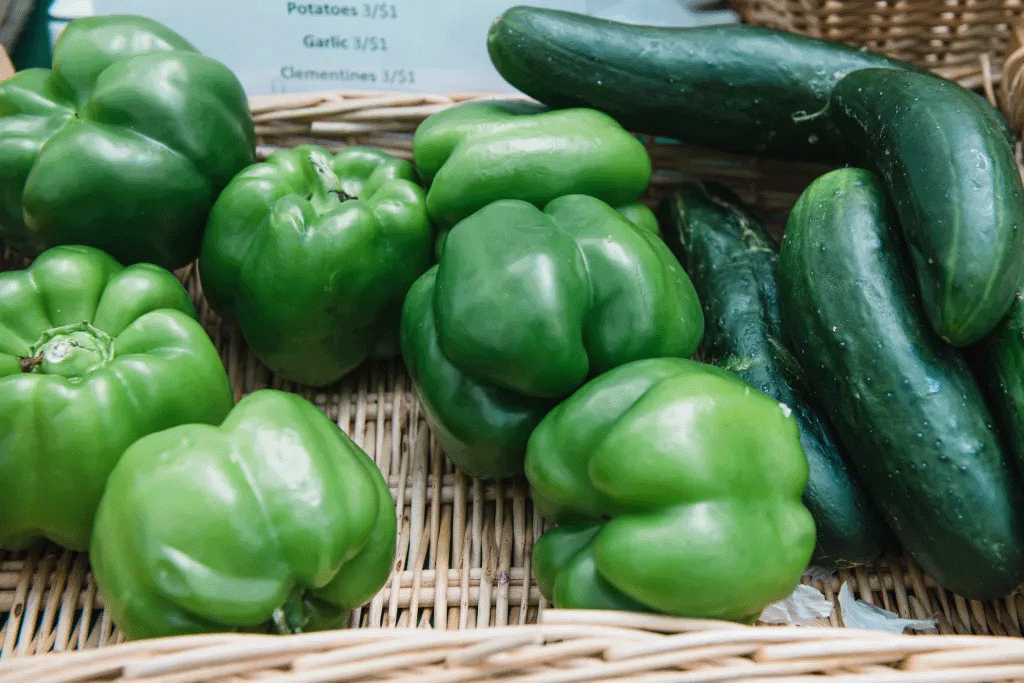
column 123, row 145
column 92, row 357
column 679, row 487
column 274, row 521
column 478, row 152
column 313, row 254
column 524, row 306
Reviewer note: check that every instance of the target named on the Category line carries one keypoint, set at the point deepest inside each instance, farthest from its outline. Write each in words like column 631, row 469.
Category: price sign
column 279, row 46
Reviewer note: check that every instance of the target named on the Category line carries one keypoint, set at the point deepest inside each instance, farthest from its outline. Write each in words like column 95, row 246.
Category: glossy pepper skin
column 478, row 152
column 123, row 145
column 92, row 357
column 273, row 521
column 524, row 306
column 313, row 254
column 679, row 487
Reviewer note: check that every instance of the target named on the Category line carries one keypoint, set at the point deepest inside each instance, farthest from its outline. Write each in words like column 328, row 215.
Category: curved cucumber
column 735, row 87
column 956, row 188
column 732, row 262
column 998, row 363
column 904, row 403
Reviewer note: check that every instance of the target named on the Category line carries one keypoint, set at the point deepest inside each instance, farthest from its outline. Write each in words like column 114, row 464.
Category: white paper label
column 279, row 46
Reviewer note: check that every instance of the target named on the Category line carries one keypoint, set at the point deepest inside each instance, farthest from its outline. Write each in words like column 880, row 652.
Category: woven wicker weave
column 1011, row 84
column 566, row 647
column 14, row 15
column 957, row 38
column 464, row 547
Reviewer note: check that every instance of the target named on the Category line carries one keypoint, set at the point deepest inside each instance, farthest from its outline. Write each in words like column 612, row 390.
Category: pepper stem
column 326, row 193
column 291, row 617
column 71, row 351
column 29, row 364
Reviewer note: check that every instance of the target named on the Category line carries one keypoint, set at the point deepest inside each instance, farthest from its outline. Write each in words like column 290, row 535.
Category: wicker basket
column 14, row 16
column 462, row 604
column 960, row 39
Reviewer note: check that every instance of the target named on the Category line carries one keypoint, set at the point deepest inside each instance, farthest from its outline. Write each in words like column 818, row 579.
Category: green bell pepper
column 313, row 255
column 92, row 357
column 274, row 521
column 523, row 307
column 642, row 217
column 478, row 152
column 123, row 145
column 679, row 489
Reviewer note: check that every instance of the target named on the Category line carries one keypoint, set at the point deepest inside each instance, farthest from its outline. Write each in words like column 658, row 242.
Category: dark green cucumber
column 904, row 403
column 733, row 87
column 732, row 262
column 998, row 363
column 956, row 187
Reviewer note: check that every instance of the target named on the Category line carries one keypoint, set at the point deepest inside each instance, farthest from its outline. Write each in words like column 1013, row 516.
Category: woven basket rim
column 565, row 645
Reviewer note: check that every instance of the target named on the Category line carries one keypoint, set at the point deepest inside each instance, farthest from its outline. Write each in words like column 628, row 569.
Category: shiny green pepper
column 679, row 488
column 524, row 306
column 313, row 253
column 92, row 357
column 274, row 521
column 478, row 152
column 123, row 145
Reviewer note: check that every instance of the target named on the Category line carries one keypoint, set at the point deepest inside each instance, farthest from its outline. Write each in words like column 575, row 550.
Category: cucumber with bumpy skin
column 998, row 363
column 734, row 87
column 908, row 410
column 956, row 188
column 732, row 262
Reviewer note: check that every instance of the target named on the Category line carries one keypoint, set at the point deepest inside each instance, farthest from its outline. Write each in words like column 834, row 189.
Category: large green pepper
column 523, row 307
column 479, row 152
column 92, row 357
column 123, row 145
column 313, row 255
column 273, row 521
column 679, row 487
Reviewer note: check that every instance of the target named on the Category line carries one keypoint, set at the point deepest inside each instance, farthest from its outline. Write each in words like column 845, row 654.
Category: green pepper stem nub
column 326, row 193
column 29, row 364
column 71, row 351
column 292, row 616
